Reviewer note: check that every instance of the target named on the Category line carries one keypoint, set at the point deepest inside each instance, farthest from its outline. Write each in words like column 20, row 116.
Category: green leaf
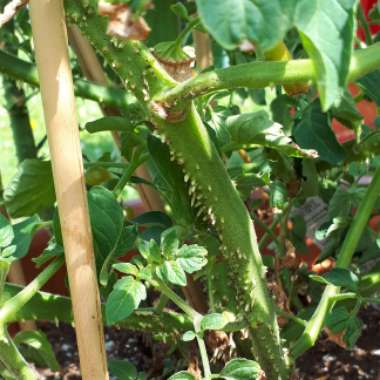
column 8, row 252
column 214, row 321
column 231, row 22
column 36, row 347
column 180, row 10
column 126, row 268
column 124, row 299
column 169, row 180
column 159, row 15
column 314, row 132
column 344, row 200
column 126, row 242
column 347, row 113
column 153, row 218
column 257, row 129
column 31, row 189
column 370, row 85
column 6, row 232
column 241, row 369
column 183, row 375
column 150, row 251
column 191, row 257
column 122, row 369
column 339, row 277
column 24, row 232
column 337, row 319
column 109, row 123
column 278, row 195
column 245, row 127
column 53, row 250
column 188, row 336
column 107, row 223
column 169, row 242
column 340, row 320
column 171, row 271
column 132, row 140
column 353, row 331
column 327, row 31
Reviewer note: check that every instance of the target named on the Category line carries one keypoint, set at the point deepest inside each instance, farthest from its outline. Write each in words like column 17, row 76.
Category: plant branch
column 315, row 324
column 11, row 307
column 12, row 360
column 110, row 96
column 263, row 74
column 174, row 297
column 133, row 165
column 45, row 306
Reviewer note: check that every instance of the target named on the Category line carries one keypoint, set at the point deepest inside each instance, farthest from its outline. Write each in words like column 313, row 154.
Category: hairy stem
column 110, row 95
column 263, row 74
column 192, row 146
column 315, row 324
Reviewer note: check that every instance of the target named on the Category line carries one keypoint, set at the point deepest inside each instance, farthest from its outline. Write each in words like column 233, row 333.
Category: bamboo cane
column 50, row 41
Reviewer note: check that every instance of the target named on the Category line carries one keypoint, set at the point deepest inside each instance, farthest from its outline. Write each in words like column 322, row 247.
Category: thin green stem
column 10, row 308
column 4, row 269
column 118, row 165
column 290, row 316
column 204, row 358
column 194, row 315
column 269, row 232
column 45, row 306
column 262, row 74
column 184, row 33
column 174, row 297
column 315, row 324
column 343, row 297
column 12, row 360
column 134, row 164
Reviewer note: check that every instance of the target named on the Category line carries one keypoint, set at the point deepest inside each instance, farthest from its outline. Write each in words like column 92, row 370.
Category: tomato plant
column 253, row 146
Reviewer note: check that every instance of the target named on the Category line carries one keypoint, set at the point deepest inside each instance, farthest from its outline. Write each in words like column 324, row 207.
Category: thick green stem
column 19, row 120
column 193, row 148
column 315, row 324
column 262, row 74
column 15, row 102
column 13, row 305
column 12, row 360
column 110, row 96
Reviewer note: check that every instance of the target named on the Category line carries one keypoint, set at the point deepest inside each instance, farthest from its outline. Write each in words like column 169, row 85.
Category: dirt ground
column 326, row 361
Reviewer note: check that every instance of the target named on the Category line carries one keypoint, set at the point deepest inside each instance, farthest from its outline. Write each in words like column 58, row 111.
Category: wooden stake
column 50, row 41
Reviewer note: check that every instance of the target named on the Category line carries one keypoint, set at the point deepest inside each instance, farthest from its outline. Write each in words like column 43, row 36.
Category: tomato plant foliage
column 249, row 131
